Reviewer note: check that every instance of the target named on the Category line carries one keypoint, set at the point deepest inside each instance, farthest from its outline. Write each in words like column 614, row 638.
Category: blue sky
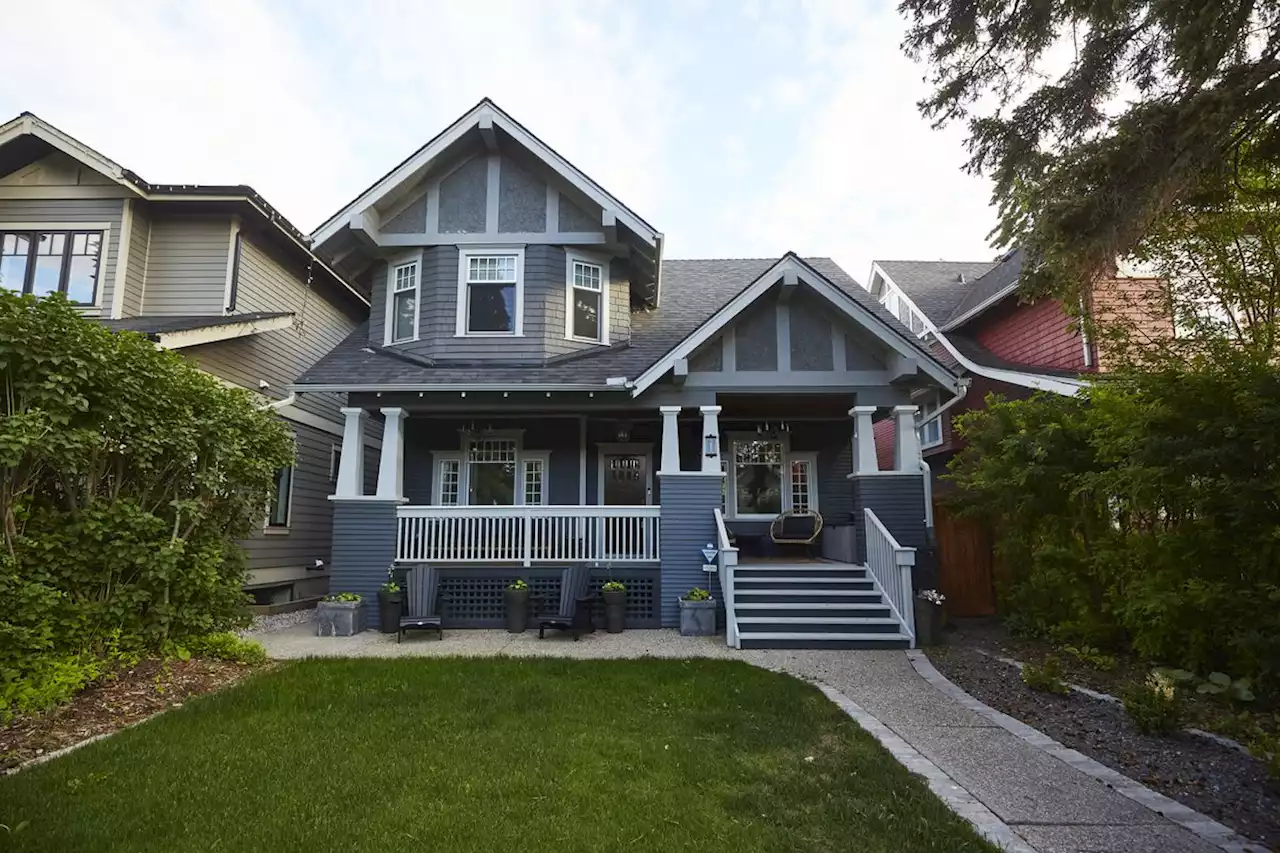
column 738, row 129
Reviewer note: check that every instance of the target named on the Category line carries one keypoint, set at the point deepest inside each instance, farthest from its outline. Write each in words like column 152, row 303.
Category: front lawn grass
column 488, row 755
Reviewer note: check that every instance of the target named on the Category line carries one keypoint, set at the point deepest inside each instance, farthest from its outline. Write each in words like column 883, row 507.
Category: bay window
column 402, row 307
column 46, row 262
column 490, row 293
column 587, row 293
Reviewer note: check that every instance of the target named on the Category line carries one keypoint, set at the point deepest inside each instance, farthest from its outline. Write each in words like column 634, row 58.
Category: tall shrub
column 1144, row 513
column 127, row 477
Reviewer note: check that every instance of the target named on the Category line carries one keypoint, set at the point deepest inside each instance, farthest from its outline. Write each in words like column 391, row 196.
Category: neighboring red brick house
column 971, row 315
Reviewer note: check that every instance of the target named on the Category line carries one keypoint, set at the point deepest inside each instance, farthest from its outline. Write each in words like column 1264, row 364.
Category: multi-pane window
column 533, row 482
column 757, row 475
column 450, row 481
column 587, row 297
column 404, row 302
column 801, row 480
column 492, row 294
column 930, row 430
column 278, row 511
column 491, row 472
column 45, row 262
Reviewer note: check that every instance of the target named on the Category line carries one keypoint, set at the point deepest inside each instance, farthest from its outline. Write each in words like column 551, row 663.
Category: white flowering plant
column 932, row 596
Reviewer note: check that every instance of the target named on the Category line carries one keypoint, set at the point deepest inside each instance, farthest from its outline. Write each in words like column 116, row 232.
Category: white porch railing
column 889, row 565
column 527, row 534
column 727, row 561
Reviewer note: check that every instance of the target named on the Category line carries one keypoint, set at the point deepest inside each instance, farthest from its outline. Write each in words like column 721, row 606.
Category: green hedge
column 128, row 476
column 1144, row 514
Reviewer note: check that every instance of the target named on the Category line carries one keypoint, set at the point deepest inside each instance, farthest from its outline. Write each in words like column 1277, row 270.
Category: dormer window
column 587, row 294
column 491, row 293
column 402, row 302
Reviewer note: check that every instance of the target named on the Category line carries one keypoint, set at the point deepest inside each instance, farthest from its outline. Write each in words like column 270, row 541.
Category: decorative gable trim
column 28, row 124
column 792, row 268
column 485, row 116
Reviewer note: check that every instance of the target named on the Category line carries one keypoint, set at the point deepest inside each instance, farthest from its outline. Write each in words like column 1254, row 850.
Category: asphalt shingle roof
column 936, row 287
column 1004, row 273
column 692, row 291
column 159, row 325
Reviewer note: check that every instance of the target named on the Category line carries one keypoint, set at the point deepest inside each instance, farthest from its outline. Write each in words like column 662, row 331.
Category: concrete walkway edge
column 955, row 797
column 1205, row 827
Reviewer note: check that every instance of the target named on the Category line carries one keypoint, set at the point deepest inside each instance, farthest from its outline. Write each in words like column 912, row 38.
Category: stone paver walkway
column 1053, row 806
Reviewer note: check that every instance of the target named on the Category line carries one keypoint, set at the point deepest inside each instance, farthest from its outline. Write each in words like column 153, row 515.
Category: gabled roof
column 1000, row 282
column 696, row 290
column 27, row 137
column 935, row 287
column 486, row 116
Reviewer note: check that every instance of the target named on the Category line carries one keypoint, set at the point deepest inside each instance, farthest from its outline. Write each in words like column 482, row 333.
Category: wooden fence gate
column 964, row 564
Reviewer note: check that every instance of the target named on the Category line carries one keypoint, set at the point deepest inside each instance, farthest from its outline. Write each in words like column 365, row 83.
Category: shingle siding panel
column 1038, row 334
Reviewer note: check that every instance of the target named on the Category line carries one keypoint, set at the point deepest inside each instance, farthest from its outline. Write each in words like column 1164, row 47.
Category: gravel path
column 1051, row 805
column 1221, row 782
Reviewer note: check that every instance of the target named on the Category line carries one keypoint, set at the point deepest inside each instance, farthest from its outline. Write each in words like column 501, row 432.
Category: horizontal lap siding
column 187, row 268
column 688, row 524
column 87, row 211
column 364, row 547
column 898, row 501
column 136, row 274
column 310, row 514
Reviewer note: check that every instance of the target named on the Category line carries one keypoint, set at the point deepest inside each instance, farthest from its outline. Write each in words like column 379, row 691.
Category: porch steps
column 812, row 606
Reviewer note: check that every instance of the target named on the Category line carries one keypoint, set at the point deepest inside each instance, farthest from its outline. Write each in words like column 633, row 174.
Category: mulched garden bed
column 128, row 697
column 1224, row 783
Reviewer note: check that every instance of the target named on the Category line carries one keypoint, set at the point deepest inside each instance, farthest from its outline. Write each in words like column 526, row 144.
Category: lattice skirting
column 472, row 597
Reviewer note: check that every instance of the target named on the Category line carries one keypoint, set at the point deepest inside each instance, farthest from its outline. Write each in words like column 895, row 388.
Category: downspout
column 280, row 404
column 961, row 393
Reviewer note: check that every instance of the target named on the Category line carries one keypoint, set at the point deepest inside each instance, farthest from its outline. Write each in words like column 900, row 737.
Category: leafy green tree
column 126, row 477
column 1095, row 119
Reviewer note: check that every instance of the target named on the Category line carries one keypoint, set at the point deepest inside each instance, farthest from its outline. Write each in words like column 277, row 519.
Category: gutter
column 1057, row 384
column 280, row 404
column 458, row 387
column 982, row 306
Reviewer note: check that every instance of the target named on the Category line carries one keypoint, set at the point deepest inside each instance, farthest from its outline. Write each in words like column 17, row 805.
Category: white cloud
column 743, row 132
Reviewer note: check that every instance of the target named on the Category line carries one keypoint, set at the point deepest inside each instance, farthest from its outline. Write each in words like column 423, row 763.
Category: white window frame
column 729, row 462
column 464, row 266
column 335, row 462
column 543, row 458
column 440, row 457
column 277, row 529
column 931, row 402
column 389, row 329
column 571, row 258
column 104, row 254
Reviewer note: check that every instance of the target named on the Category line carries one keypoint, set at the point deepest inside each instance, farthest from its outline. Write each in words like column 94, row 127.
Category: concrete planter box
column 339, row 618
column 697, row 618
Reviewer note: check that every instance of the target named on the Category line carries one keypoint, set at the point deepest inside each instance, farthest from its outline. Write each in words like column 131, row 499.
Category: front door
column 626, row 479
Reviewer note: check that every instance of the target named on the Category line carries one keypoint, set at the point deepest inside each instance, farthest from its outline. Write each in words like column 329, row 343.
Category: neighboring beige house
column 212, row 271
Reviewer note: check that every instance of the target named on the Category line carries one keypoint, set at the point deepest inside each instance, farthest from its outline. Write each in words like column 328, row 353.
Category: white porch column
column 351, row 462
column 710, row 428
column 670, row 440
column 906, row 449
column 391, row 463
column 864, row 440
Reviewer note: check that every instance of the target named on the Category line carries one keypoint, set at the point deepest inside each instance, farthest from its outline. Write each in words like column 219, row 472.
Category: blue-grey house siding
column 364, row 547
column 688, row 524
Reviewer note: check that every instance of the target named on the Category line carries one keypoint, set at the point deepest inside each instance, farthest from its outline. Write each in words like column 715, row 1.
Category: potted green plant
column 340, row 615
column 614, row 594
column 697, row 613
column 390, row 604
column 516, row 598
column 928, row 613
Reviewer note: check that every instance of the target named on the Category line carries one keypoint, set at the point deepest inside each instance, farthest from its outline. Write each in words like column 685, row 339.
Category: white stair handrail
column 726, row 561
column 889, row 566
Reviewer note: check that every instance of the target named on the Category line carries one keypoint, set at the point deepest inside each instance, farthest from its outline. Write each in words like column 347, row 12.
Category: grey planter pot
column 339, row 618
column 517, row 602
column 928, row 623
column 389, row 609
column 615, row 610
column 697, row 618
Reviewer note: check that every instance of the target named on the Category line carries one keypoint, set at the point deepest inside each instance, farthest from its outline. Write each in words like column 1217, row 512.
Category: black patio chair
column 796, row 527
column 574, row 615
column 422, row 604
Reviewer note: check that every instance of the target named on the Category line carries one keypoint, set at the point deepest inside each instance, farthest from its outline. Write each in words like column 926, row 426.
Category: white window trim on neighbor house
column 523, row 459
column 413, row 260
column 930, row 425
column 464, row 267
column 572, row 258
column 809, row 459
